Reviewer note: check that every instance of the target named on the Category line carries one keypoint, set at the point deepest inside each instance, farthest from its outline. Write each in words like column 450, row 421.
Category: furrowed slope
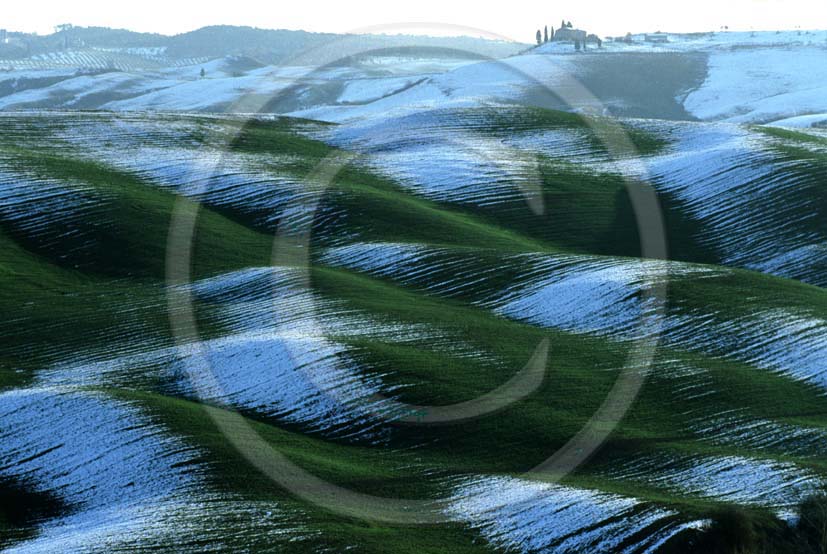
column 426, row 283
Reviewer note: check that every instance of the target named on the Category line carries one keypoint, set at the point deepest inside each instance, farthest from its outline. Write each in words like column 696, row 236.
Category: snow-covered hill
column 736, row 77
column 757, row 77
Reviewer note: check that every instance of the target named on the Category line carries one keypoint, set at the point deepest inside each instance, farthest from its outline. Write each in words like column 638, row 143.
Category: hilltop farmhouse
column 567, row 33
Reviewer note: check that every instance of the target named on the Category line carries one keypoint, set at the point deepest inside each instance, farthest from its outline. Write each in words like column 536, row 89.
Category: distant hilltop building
column 567, row 33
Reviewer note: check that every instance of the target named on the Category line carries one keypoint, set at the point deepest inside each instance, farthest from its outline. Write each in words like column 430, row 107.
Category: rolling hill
column 367, row 316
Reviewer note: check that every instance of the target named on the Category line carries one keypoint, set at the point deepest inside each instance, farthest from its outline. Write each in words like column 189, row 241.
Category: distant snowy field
column 763, row 77
column 759, row 85
column 754, row 78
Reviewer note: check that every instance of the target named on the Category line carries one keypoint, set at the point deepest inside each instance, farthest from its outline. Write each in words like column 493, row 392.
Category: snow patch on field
column 208, row 523
column 604, row 296
column 380, row 258
column 779, row 340
column 73, row 91
column 802, row 121
column 361, row 91
column 472, row 85
column 444, row 155
column 32, row 204
column 752, row 205
column 759, row 85
column 530, row 516
column 579, row 293
column 112, row 448
column 52, row 213
column 592, row 295
column 440, row 271
column 193, row 159
column 126, row 482
column 735, row 428
column 277, row 359
column 202, row 94
column 727, row 479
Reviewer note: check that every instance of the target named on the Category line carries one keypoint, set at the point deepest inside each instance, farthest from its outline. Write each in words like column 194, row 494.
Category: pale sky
column 512, row 19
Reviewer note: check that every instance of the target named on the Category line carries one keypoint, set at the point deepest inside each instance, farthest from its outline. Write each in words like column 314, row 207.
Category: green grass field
column 90, row 284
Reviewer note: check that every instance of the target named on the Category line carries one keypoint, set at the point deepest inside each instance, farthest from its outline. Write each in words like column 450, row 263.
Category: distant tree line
column 567, row 32
column 545, row 35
